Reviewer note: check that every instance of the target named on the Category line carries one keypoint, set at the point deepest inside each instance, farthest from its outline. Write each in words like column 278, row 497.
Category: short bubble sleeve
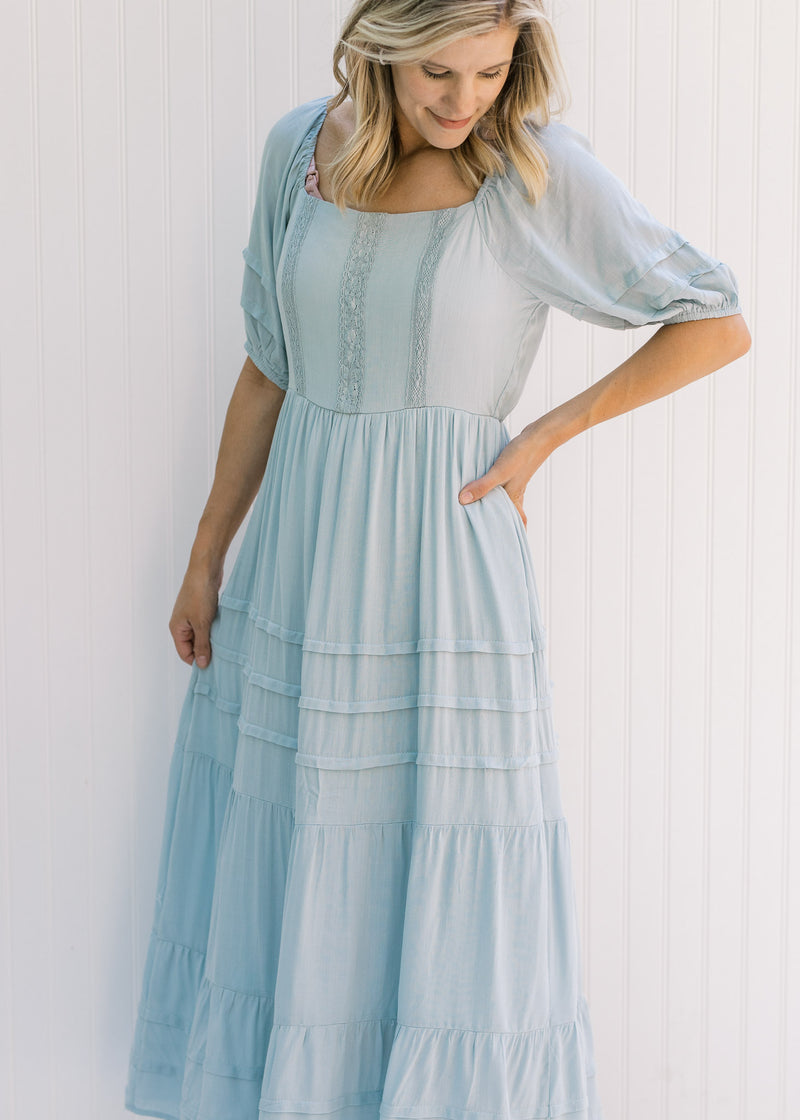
column 593, row 250
column 265, row 341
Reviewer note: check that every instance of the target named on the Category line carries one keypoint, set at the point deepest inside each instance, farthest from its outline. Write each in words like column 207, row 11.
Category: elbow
column 736, row 339
column 747, row 341
column 718, row 339
column 743, row 337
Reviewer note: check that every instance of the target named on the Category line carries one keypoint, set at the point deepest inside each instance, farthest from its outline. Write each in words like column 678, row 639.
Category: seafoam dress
column 365, row 904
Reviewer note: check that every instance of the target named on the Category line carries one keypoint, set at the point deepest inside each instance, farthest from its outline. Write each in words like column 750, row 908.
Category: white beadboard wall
column 665, row 541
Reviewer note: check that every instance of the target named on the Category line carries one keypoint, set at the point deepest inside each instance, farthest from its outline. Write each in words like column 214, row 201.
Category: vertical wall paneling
column 665, row 541
column 787, row 1027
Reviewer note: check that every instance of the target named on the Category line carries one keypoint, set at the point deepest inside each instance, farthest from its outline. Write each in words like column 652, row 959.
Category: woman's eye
column 432, row 74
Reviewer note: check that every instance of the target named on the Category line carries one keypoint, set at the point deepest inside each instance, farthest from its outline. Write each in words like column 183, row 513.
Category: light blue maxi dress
column 365, row 905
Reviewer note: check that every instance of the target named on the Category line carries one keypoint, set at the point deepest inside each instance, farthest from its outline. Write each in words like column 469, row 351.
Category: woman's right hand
column 194, row 611
column 243, row 451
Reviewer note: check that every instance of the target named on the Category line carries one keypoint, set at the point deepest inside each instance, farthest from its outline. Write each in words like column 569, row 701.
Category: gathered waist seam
column 290, row 392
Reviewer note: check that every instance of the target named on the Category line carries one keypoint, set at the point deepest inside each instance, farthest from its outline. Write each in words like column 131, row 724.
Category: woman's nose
column 464, row 101
column 459, row 110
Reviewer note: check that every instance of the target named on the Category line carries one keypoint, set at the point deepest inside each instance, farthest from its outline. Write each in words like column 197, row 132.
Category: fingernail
column 202, row 662
column 466, row 496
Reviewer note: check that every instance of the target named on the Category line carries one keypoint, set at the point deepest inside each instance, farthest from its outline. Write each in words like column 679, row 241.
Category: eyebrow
column 429, row 62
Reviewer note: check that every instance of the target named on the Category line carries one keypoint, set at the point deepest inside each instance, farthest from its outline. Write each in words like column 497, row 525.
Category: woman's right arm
column 243, row 452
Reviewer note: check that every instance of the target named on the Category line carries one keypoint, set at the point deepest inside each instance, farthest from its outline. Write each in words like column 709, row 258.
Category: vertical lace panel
column 352, row 344
column 423, row 297
column 288, row 291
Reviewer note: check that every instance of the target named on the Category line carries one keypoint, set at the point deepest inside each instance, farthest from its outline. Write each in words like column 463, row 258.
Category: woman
column 365, row 902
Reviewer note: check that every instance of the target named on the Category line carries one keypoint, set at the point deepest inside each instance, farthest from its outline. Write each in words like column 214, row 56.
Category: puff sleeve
column 264, row 339
column 594, row 251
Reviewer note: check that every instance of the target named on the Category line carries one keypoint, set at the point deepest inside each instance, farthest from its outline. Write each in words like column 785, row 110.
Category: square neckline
column 309, row 149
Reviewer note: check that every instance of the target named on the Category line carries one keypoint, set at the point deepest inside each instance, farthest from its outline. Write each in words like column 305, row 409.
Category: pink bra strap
column 312, row 179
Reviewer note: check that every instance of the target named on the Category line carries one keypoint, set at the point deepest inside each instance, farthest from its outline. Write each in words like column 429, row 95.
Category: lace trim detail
column 351, row 309
column 288, row 290
column 423, row 298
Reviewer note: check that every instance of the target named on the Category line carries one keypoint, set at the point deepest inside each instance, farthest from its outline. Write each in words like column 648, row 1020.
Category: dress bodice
column 394, row 310
column 371, row 311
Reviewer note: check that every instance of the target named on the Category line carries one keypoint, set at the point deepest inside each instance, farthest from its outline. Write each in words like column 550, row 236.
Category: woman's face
column 442, row 98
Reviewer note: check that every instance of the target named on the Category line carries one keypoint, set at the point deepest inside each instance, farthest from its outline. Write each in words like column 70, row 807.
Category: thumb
column 475, row 490
column 202, row 645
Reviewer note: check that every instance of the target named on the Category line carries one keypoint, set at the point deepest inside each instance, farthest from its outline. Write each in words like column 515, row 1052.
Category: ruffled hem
column 422, row 1072
column 386, row 1068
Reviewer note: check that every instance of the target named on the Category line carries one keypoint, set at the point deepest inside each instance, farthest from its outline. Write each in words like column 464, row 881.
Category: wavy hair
column 378, row 32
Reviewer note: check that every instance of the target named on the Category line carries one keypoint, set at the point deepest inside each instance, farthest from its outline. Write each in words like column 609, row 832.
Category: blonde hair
column 378, row 32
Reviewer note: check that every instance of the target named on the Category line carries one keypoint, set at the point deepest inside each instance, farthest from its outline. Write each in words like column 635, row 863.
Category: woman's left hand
column 513, row 468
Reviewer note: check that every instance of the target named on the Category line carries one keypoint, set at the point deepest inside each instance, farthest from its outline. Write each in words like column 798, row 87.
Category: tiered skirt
column 365, row 905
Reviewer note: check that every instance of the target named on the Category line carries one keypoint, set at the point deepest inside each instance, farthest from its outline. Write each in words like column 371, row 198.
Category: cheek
column 492, row 98
column 417, row 90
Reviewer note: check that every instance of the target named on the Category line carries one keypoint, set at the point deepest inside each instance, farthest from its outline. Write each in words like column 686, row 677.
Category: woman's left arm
column 675, row 355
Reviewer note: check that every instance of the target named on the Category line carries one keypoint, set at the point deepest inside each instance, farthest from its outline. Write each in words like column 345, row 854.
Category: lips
column 448, row 123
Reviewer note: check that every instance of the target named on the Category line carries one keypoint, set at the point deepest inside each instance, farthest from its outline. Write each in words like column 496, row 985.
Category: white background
column 665, row 541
